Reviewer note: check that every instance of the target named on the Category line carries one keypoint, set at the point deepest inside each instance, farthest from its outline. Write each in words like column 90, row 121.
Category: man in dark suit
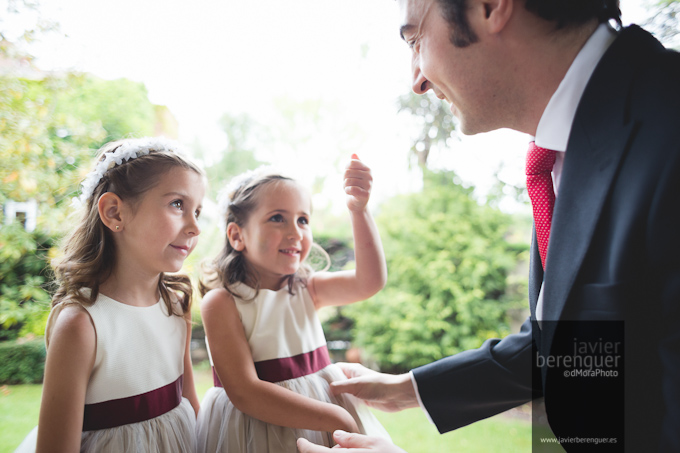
column 602, row 343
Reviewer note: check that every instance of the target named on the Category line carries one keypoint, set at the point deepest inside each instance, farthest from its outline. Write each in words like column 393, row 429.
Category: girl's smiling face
column 277, row 236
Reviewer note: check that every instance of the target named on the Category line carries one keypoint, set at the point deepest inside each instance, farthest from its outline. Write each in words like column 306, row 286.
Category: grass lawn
column 411, row 430
column 20, row 404
column 19, row 409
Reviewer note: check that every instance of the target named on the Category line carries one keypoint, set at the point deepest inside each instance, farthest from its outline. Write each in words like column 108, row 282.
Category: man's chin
column 461, row 125
column 467, row 127
column 456, row 114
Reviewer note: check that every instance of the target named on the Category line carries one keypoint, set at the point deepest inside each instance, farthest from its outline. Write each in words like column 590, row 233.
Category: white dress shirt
column 554, row 127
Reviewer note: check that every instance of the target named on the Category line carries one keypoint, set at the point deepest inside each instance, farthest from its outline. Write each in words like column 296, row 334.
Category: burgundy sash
column 133, row 409
column 277, row 370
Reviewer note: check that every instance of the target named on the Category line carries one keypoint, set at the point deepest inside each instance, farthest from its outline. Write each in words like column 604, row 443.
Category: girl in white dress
column 271, row 365
column 118, row 374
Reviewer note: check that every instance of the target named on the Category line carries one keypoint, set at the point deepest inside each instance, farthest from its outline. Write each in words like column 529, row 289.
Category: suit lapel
column 598, row 140
column 588, row 173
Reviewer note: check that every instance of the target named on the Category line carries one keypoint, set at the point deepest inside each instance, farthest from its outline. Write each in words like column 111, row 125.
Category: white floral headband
column 226, row 195
column 129, row 149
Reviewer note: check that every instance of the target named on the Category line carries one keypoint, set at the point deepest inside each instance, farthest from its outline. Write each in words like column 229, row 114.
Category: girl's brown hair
column 230, row 266
column 88, row 253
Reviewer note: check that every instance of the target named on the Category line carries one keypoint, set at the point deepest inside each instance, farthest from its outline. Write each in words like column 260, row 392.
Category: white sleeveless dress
column 134, row 398
column 289, row 348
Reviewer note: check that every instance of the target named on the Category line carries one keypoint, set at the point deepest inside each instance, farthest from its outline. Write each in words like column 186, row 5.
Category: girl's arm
column 189, row 389
column 370, row 274
column 259, row 399
column 70, row 358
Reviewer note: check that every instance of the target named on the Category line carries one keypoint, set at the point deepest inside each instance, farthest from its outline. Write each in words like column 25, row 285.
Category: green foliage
column 22, row 362
column 23, row 298
column 435, row 120
column 120, row 106
column 239, row 155
column 337, row 326
column 664, row 22
column 339, row 250
column 38, row 161
column 450, row 277
column 50, row 127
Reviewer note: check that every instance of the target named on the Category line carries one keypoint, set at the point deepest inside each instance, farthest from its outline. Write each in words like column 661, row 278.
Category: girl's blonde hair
column 237, row 201
column 88, row 253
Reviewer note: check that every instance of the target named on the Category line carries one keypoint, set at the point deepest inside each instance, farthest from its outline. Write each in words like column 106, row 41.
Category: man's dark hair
column 564, row 12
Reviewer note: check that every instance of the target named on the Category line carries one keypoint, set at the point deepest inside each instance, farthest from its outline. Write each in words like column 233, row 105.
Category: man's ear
column 496, row 14
column 110, row 208
column 235, row 237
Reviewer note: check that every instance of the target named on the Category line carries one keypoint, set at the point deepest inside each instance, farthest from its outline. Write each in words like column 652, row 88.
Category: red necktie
column 540, row 162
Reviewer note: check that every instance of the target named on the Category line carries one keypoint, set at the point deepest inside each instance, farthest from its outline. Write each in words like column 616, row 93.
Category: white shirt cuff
column 420, row 402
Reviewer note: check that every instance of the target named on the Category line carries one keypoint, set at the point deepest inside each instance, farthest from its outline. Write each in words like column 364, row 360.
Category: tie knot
column 539, row 160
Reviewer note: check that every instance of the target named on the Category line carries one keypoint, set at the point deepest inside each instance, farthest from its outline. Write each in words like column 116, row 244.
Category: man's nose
column 420, row 83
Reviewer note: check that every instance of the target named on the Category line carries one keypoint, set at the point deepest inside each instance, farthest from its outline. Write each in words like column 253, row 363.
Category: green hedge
column 22, row 362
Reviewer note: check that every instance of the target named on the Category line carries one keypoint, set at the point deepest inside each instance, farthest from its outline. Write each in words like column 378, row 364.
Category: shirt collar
column 555, row 125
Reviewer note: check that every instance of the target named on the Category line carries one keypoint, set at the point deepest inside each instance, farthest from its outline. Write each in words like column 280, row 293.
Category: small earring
column 117, row 227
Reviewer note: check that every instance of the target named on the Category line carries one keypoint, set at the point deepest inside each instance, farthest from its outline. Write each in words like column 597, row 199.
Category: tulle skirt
column 223, row 428
column 174, row 431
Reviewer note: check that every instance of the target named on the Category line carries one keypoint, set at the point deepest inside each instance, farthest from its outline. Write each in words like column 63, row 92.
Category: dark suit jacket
column 614, row 254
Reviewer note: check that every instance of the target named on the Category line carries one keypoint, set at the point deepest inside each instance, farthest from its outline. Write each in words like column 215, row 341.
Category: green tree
column 435, row 120
column 121, row 107
column 51, row 127
column 239, row 156
column 664, row 22
column 450, row 283
column 38, row 161
column 23, row 297
column 50, row 124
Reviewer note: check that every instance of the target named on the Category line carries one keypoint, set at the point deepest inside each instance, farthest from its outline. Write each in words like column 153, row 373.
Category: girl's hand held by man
column 351, row 442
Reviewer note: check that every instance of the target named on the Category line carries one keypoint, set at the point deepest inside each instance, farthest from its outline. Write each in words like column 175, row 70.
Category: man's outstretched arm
column 387, row 392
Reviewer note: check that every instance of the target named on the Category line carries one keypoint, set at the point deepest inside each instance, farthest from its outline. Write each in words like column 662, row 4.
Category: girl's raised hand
column 357, row 183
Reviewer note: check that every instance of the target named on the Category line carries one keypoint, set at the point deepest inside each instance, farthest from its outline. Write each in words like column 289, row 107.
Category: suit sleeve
column 664, row 256
column 479, row 383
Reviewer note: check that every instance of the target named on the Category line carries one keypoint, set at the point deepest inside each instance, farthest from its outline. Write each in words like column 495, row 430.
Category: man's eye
column 411, row 43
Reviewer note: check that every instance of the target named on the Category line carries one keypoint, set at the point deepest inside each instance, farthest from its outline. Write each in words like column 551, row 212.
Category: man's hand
column 387, row 392
column 356, row 443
